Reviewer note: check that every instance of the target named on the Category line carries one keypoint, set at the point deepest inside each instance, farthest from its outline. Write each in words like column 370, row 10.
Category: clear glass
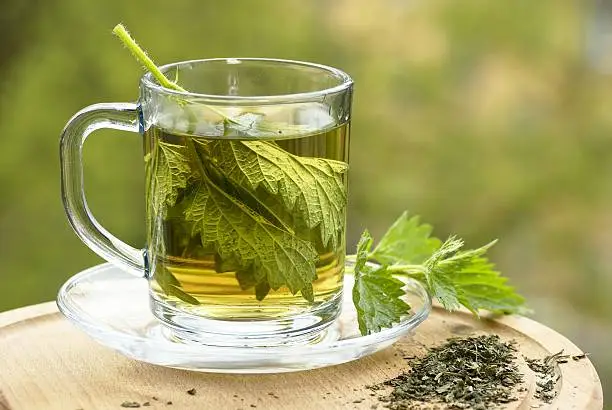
column 246, row 180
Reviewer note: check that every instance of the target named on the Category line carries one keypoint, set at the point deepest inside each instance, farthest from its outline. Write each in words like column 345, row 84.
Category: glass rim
column 346, row 83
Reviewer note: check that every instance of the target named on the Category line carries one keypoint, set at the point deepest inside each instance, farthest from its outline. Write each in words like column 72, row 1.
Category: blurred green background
column 490, row 119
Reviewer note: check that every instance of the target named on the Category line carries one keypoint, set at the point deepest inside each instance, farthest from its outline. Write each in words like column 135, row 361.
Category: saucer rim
column 410, row 322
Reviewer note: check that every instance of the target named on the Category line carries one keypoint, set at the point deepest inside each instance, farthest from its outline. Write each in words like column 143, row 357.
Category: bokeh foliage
column 490, row 119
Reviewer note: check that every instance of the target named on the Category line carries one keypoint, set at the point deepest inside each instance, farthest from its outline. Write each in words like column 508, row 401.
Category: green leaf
column 438, row 276
column 482, row 287
column 407, row 241
column 311, row 189
column 263, row 288
column 247, row 280
column 467, row 278
column 376, row 293
column 247, row 239
column 171, row 286
column 363, row 251
column 171, row 173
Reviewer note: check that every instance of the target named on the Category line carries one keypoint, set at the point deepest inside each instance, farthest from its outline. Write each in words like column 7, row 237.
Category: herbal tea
column 246, row 228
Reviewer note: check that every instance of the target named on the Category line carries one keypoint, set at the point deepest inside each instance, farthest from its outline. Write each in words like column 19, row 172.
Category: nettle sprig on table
column 453, row 276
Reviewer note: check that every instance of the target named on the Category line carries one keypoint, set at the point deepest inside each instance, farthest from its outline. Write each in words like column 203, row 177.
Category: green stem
column 417, row 272
column 142, row 57
column 408, row 269
column 400, row 270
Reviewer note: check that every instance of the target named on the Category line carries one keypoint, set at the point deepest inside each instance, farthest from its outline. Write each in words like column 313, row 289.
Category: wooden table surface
column 46, row 363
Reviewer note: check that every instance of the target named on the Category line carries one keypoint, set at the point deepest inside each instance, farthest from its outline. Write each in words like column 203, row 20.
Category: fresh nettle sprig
column 452, row 275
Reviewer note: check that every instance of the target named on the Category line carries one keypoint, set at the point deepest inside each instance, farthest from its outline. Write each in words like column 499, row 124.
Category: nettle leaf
column 363, row 251
column 171, row 173
column 482, row 287
column 244, row 237
column 467, row 278
column 438, row 275
column 311, row 189
column 407, row 241
column 171, row 286
column 247, row 280
column 376, row 293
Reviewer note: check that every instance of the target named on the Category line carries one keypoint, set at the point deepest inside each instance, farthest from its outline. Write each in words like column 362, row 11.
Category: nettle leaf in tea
column 171, row 171
column 312, row 190
column 274, row 218
column 172, row 287
column 273, row 256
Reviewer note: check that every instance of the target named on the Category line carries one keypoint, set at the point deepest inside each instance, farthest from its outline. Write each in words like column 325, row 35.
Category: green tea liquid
column 198, row 274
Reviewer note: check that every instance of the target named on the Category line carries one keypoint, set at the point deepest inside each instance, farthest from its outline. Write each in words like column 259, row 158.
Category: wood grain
column 46, row 363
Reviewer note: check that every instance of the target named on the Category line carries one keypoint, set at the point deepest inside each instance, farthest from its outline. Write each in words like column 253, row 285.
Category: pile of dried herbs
column 475, row 372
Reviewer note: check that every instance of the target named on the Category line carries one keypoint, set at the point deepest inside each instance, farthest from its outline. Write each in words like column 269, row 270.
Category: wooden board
column 46, row 363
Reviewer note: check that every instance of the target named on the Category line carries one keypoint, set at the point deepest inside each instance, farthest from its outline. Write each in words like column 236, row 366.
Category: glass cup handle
column 118, row 116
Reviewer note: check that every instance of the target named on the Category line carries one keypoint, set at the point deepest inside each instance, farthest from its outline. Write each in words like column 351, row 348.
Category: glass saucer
column 112, row 307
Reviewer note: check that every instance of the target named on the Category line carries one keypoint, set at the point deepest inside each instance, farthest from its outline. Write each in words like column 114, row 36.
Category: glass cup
column 246, row 197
